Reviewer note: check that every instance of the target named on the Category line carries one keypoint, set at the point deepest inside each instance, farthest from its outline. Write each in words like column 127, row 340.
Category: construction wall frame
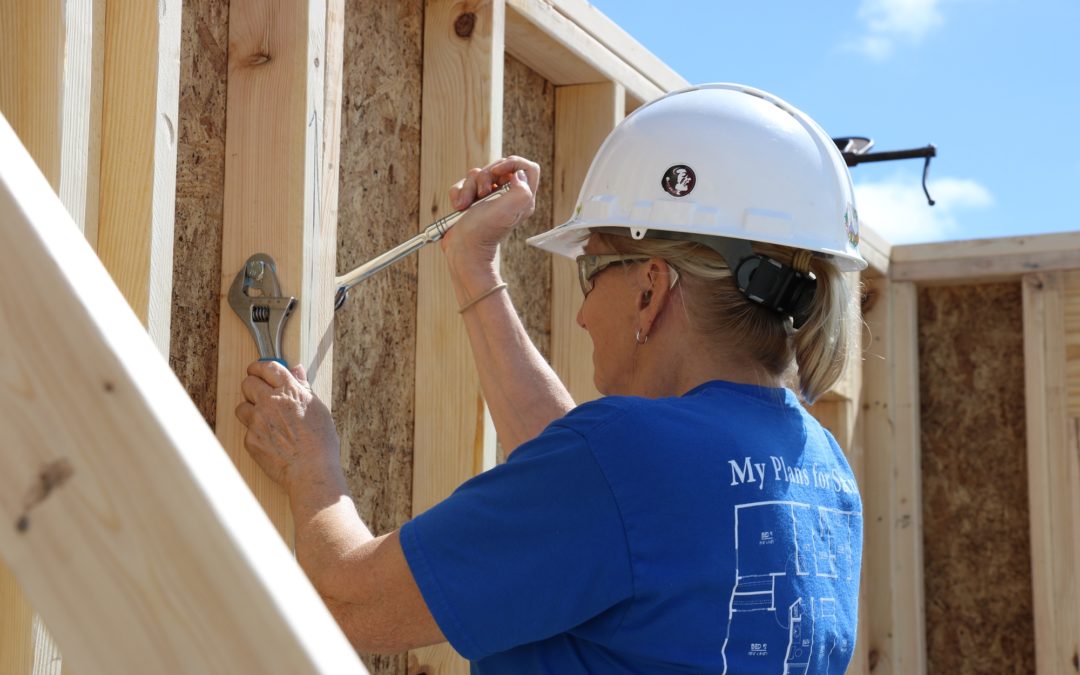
column 105, row 128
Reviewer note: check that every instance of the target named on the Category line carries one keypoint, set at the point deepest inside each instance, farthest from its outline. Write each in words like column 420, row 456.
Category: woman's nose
column 581, row 321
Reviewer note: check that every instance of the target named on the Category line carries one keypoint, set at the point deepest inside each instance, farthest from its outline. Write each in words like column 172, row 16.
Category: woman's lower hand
column 290, row 432
column 478, row 232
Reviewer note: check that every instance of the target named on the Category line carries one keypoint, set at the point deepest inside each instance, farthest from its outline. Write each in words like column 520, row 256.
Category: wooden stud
column 31, row 78
column 584, row 116
column 16, row 618
column 979, row 260
column 1071, row 280
column 50, row 91
column 878, row 487
column 141, row 91
column 875, row 249
column 280, row 194
column 133, row 537
column 1053, row 477
column 909, row 623
column 462, row 128
column 560, row 50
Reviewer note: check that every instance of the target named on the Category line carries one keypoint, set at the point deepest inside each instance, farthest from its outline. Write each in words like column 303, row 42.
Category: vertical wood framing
column 50, row 91
column 136, row 541
column 584, row 115
column 280, row 189
column 1053, row 477
column 909, row 627
column 16, row 617
column 50, row 57
column 461, row 128
column 141, row 91
column 878, row 488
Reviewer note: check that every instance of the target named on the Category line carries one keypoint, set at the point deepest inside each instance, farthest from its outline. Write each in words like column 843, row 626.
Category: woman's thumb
column 299, row 373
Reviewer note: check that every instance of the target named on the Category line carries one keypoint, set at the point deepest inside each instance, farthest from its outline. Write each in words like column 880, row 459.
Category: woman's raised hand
column 479, row 231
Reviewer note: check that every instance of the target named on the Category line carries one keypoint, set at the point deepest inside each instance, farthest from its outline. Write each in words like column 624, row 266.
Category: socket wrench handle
column 431, row 233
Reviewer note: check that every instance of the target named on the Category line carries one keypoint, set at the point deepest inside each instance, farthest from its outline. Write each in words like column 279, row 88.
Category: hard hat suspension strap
column 761, row 279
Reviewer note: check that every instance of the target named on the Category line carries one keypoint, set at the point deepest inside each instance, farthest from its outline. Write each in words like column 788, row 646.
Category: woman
column 696, row 519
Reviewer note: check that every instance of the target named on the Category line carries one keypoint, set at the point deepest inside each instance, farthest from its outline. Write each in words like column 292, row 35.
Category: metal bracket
column 255, row 296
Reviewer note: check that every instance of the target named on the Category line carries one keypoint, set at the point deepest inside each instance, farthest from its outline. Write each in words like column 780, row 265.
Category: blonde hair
column 716, row 308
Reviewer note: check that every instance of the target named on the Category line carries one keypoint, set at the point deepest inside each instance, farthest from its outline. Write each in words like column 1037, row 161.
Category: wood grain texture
column 976, row 260
column 16, row 619
column 462, row 127
column 877, row 614
column 976, row 552
column 31, row 94
column 529, row 131
column 584, row 116
column 275, row 184
column 375, row 332
column 554, row 45
column 32, row 79
column 50, row 57
column 137, row 205
column 909, row 626
column 130, row 533
column 200, row 196
column 1071, row 299
column 621, row 43
column 1053, row 463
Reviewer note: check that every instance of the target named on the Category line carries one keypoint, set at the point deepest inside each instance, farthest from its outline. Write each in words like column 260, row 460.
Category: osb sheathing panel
column 200, row 185
column 529, row 131
column 375, row 336
column 975, row 504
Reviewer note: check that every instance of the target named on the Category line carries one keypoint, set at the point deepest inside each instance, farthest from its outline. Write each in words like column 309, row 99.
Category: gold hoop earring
column 637, row 337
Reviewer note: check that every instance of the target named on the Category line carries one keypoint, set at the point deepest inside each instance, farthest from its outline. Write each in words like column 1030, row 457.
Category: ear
column 654, row 279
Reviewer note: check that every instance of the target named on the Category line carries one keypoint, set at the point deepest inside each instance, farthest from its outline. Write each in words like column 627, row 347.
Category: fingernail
column 521, row 176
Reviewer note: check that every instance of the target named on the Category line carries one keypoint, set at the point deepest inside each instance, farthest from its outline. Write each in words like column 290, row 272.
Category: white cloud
column 896, row 208
column 888, row 21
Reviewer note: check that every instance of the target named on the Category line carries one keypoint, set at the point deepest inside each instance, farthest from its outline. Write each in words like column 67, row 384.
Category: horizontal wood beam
column 979, row 260
column 127, row 527
column 559, row 49
column 621, row 44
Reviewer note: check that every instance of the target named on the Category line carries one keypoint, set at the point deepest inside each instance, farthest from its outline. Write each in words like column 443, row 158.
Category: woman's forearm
column 522, row 391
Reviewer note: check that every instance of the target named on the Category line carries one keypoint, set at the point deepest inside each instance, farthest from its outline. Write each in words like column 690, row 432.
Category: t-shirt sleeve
column 524, row 551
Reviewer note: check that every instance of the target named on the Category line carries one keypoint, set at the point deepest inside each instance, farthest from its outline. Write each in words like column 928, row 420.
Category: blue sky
column 994, row 84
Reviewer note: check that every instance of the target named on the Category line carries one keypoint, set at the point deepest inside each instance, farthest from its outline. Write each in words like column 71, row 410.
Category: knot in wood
column 258, row 59
column 465, row 24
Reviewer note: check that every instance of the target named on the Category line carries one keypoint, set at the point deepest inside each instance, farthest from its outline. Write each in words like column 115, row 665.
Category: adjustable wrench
column 255, row 296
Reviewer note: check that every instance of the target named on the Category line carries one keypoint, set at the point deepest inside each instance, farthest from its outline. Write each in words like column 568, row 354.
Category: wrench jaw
column 255, row 296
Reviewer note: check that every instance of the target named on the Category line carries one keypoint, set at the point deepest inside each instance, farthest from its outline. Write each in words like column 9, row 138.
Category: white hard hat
column 718, row 161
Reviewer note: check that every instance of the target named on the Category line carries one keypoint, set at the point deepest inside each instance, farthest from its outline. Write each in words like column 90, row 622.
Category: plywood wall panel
column 975, row 503
column 200, row 186
column 529, row 131
column 375, row 332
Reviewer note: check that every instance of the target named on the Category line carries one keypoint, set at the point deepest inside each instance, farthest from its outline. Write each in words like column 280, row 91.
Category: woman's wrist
column 472, row 275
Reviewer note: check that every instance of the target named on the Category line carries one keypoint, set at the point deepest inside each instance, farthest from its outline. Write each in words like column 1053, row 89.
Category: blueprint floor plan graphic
column 792, row 562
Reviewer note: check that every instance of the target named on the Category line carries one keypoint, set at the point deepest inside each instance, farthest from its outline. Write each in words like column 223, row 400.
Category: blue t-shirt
column 716, row 532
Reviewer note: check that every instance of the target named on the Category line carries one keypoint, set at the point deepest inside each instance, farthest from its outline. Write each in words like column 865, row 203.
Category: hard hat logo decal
column 679, row 180
column 851, row 224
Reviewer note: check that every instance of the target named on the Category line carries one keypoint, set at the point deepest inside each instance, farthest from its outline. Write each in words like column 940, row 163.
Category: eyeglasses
column 591, row 265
